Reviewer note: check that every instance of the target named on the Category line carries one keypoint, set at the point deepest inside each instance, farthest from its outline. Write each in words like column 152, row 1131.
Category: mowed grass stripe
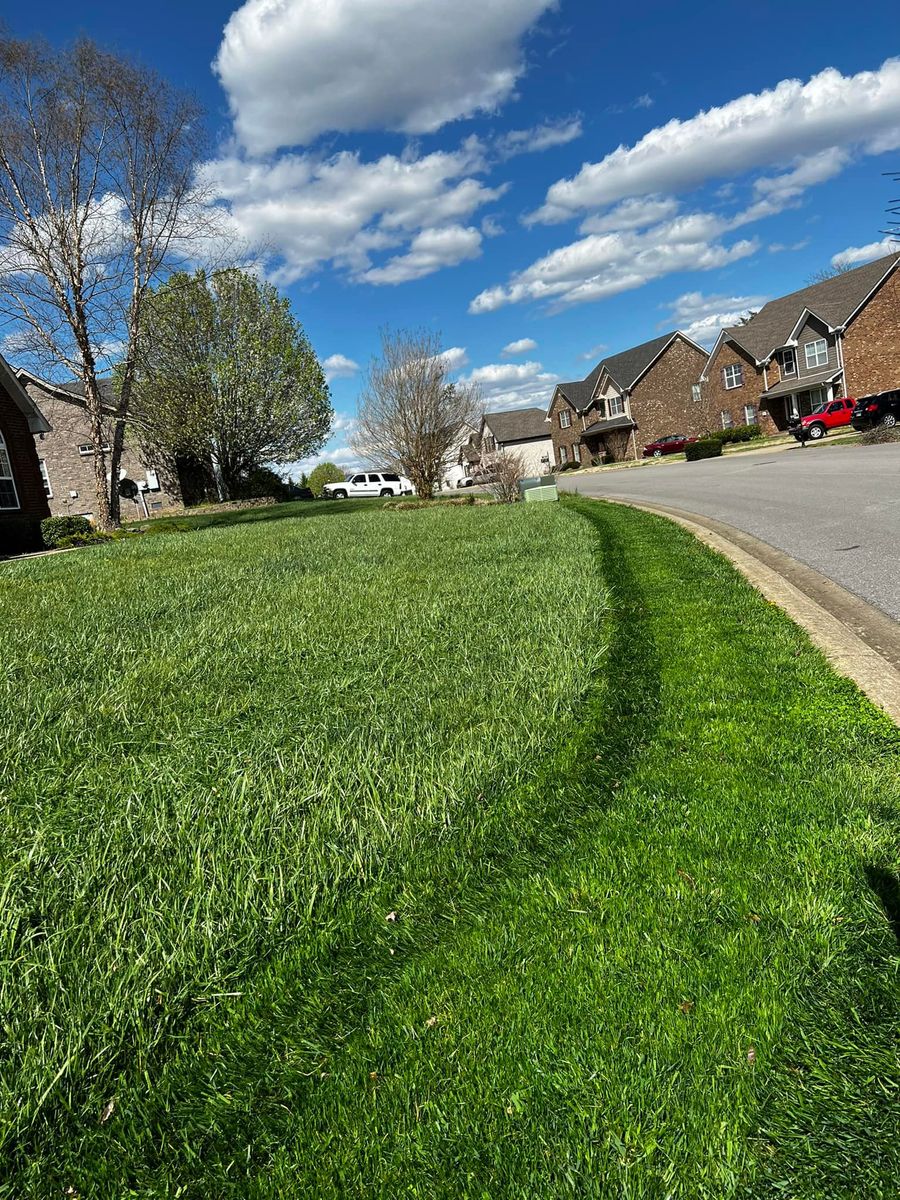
column 650, row 963
column 216, row 736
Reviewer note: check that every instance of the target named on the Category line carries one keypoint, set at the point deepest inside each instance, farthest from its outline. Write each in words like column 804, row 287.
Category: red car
column 673, row 444
column 830, row 415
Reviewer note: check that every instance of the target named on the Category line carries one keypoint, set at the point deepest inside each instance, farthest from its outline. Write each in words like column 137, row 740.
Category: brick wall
column 716, row 398
column 20, row 528
column 661, row 402
column 69, row 471
column 570, row 438
column 872, row 343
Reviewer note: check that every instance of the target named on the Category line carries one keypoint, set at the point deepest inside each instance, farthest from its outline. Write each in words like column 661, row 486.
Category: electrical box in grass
column 545, row 492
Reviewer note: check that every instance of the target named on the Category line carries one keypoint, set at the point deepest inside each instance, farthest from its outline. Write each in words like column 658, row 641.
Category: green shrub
column 568, row 466
column 54, row 530
column 325, row 472
column 83, row 539
column 737, row 433
column 262, row 482
column 705, row 448
column 880, row 435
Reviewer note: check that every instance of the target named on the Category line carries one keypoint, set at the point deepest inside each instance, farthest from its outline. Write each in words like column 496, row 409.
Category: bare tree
column 97, row 201
column 830, row 272
column 505, row 471
column 410, row 416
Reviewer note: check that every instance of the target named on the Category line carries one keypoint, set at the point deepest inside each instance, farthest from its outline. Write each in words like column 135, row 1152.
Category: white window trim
column 616, row 406
column 817, row 365
column 696, row 393
column 750, row 408
column 726, row 419
column 731, row 368
column 45, row 476
column 563, row 454
column 6, row 474
column 565, row 419
column 86, row 449
column 785, row 373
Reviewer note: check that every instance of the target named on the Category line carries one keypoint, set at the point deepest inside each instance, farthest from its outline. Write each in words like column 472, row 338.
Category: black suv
column 882, row 408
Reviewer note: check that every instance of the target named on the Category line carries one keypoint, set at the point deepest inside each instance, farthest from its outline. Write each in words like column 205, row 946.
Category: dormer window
column 788, row 359
column 616, row 406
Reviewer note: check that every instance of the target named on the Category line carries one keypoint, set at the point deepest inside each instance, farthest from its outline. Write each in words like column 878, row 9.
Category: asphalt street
column 835, row 508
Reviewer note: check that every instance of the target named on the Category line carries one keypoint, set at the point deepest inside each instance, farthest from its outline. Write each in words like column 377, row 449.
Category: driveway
column 835, row 508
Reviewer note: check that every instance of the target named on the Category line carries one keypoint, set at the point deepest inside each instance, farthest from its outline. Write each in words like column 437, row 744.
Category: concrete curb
column 858, row 640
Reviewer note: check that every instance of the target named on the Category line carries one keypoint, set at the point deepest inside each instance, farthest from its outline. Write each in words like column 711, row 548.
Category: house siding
column 69, row 471
column 661, row 403
column 813, row 331
column 20, row 529
column 716, row 398
column 871, row 343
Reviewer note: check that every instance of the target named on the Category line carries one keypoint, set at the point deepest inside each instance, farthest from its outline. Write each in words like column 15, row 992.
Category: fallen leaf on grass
column 107, row 1111
column 753, row 918
column 392, row 916
column 751, row 1055
column 431, row 1022
column 686, row 1006
column 689, row 878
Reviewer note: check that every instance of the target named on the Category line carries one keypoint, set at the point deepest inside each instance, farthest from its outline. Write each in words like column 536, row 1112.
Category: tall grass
column 215, row 743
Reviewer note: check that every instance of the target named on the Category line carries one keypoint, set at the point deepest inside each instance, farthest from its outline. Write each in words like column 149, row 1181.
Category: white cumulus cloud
column 792, row 120
column 295, row 69
column 701, row 317
column 540, row 137
column 855, row 256
column 513, row 385
column 522, row 346
column 428, row 252
column 339, row 366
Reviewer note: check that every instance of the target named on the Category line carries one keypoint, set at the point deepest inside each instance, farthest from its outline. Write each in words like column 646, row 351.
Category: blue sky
column 541, row 183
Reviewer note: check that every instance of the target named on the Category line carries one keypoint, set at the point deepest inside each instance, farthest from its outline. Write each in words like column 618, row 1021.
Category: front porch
column 612, row 439
column 791, row 399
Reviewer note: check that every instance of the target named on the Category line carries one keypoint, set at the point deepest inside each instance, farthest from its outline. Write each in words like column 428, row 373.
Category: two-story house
column 521, row 431
column 836, row 338
column 648, row 390
column 23, row 504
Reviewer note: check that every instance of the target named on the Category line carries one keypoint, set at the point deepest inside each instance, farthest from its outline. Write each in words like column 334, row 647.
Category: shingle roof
column 834, row 300
column 620, row 422
column 518, row 425
column 801, row 383
column 624, row 369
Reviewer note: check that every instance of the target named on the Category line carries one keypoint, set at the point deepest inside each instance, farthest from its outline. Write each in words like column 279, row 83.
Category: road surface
column 835, row 508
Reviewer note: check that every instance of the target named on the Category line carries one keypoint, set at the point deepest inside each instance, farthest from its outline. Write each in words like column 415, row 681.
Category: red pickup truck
column 830, row 415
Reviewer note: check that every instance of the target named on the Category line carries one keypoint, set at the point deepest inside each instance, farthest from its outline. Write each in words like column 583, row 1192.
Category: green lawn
column 484, row 852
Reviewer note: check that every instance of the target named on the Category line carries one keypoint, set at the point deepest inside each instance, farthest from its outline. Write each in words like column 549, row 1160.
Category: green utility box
column 548, row 492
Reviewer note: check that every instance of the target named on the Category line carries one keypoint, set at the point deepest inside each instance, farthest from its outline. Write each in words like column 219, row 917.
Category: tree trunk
column 115, row 458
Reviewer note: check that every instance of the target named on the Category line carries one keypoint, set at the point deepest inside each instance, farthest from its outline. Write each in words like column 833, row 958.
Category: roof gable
column 37, row 422
column 834, row 301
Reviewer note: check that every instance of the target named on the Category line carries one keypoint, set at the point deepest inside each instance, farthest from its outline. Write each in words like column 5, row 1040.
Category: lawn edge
column 859, row 641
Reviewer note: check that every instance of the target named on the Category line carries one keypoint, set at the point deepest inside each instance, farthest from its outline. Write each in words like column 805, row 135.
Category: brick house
column 23, row 504
column 837, row 338
column 521, row 431
column 66, row 455
column 649, row 389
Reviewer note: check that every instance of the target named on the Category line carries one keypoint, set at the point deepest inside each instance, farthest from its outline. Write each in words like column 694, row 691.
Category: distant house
column 521, row 431
column 66, row 455
column 23, row 502
column 836, row 338
column 462, row 457
column 648, row 390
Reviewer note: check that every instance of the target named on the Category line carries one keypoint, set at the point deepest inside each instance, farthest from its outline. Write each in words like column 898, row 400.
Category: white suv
column 370, row 483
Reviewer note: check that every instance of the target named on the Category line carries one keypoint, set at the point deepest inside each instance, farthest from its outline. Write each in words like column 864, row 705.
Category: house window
column 733, row 375
column 788, row 362
column 87, row 448
column 726, row 419
column 564, row 454
column 616, row 406
column 695, row 392
column 750, row 414
column 8, row 496
column 816, row 354
column 489, row 444
column 48, row 490
column 565, row 419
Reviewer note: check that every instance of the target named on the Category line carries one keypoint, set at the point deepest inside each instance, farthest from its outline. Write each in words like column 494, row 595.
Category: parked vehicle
column 832, row 414
column 881, row 408
column 465, row 481
column 369, row 483
column 673, row 443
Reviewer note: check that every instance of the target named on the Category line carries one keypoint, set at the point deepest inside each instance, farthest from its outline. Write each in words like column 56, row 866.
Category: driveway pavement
column 835, row 508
